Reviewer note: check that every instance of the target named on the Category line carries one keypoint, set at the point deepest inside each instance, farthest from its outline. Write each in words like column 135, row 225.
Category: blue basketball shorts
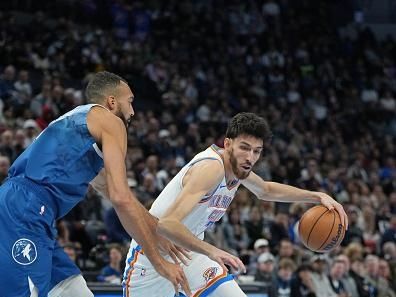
column 30, row 258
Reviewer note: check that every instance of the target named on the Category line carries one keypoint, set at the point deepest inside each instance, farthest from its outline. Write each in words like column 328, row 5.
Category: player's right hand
column 223, row 258
column 175, row 274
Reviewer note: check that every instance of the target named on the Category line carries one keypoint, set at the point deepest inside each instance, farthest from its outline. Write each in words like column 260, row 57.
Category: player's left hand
column 178, row 254
column 224, row 258
column 331, row 204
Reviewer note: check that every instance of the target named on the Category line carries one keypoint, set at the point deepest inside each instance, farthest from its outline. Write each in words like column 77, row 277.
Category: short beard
column 126, row 122
column 234, row 165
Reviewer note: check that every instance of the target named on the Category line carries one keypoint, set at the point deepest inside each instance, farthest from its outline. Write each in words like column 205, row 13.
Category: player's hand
column 175, row 274
column 178, row 254
column 331, row 204
column 223, row 258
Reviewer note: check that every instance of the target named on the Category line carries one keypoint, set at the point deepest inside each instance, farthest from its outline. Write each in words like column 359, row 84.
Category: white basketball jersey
column 210, row 208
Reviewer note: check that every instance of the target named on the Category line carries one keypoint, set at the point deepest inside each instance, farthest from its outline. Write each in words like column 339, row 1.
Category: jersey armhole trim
column 187, row 168
column 209, row 194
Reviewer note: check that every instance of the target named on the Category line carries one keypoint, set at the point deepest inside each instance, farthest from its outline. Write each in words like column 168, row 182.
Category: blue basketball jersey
column 61, row 161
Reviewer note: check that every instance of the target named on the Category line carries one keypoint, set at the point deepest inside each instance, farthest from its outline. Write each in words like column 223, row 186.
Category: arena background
column 322, row 72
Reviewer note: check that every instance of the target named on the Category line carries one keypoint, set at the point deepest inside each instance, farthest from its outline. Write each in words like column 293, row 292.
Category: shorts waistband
column 43, row 195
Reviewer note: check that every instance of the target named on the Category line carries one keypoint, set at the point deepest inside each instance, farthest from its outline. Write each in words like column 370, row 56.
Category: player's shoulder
column 206, row 173
column 102, row 116
column 209, row 167
column 101, row 120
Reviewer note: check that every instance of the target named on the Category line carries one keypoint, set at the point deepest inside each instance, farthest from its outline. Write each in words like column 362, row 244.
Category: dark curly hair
column 247, row 123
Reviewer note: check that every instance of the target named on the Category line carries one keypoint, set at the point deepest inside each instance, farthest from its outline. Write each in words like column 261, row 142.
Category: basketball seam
column 302, row 218
column 332, row 227
column 309, row 235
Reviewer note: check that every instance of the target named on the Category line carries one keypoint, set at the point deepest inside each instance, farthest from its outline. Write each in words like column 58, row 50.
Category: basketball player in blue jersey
column 197, row 197
column 52, row 176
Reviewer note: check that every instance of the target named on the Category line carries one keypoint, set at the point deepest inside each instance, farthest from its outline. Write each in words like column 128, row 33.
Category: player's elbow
column 119, row 198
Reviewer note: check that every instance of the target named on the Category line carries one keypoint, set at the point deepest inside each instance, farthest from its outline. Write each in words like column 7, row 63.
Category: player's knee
column 228, row 289
column 72, row 286
column 87, row 293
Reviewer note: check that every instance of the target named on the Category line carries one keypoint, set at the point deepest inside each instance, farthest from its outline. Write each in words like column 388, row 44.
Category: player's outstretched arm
column 272, row 191
column 199, row 180
column 110, row 132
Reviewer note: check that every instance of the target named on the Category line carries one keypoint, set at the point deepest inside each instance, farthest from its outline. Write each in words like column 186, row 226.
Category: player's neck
column 228, row 172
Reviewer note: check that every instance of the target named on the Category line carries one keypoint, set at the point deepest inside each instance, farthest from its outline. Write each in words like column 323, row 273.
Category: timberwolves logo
column 210, row 273
column 24, row 251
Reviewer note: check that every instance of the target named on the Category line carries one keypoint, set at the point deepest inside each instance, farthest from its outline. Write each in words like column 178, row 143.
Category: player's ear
column 111, row 102
column 227, row 142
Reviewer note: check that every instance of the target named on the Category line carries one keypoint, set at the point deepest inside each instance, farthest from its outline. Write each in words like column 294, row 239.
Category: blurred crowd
column 327, row 88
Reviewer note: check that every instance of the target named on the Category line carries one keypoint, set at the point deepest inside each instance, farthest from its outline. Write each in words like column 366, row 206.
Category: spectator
column 235, row 233
column 19, row 142
column 265, row 272
column 286, row 268
column 288, row 251
column 389, row 254
column 22, row 85
column 4, row 166
column 38, row 101
column 279, row 228
column 373, row 277
column 7, row 88
column 32, row 129
column 302, row 284
column 385, row 272
column 254, row 226
column 337, row 272
column 261, row 246
column 114, row 229
column 6, row 147
column 70, row 250
column 147, row 191
column 390, row 232
column 347, row 280
column 112, row 272
column 319, row 277
column 47, row 116
column 354, row 232
column 311, row 178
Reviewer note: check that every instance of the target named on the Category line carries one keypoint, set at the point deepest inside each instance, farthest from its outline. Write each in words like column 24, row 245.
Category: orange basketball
column 320, row 229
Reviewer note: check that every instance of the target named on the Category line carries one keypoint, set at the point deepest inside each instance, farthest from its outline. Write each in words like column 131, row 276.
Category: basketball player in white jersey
column 196, row 198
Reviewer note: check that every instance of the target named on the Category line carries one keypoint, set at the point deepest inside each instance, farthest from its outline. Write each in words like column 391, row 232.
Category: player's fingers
column 176, row 286
column 184, row 284
column 347, row 220
column 185, row 252
column 242, row 267
column 344, row 215
column 180, row 256
column 329, row 205
column 341, row 212
column 221, row 263
column 174, row 257
column 233, row 263
column 223, row 267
